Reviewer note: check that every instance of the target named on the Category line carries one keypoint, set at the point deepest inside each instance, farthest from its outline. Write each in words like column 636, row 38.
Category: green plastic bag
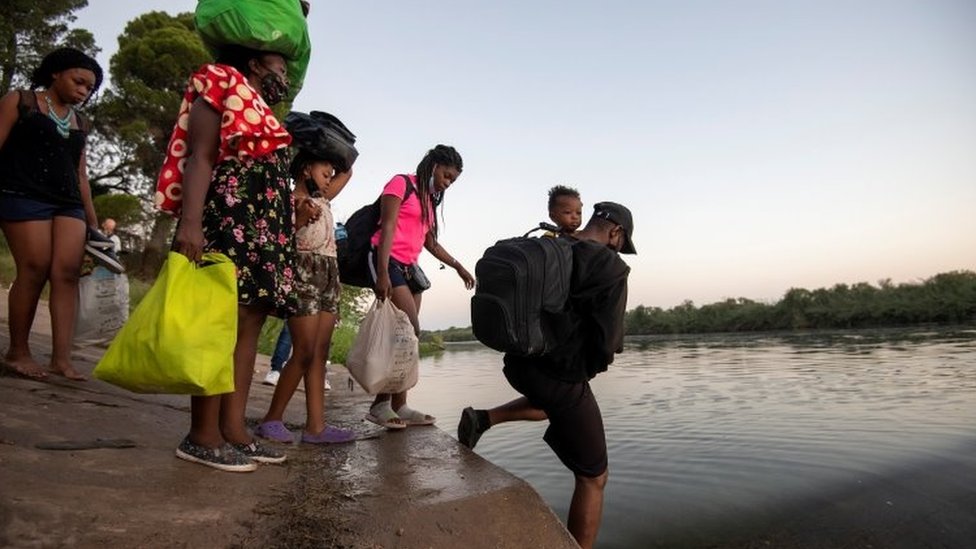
column 181, row 337
column 267, row 25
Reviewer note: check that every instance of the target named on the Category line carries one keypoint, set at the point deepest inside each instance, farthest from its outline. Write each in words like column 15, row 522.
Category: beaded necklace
column 63, row 124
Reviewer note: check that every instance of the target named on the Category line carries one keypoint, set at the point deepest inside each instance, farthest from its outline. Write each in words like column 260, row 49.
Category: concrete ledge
column 414, row 488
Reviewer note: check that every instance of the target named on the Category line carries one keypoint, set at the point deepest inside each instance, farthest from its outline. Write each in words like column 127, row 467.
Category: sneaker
column 259, row 453
column 471, row 427
column 274, row 430
column 106, row 258
column 99, row 241
column 328, row 386
column 272, row 377
column 225, row 458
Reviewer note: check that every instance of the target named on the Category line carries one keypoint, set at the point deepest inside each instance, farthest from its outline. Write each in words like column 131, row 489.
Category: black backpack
column 353, row 249
column 522, row 285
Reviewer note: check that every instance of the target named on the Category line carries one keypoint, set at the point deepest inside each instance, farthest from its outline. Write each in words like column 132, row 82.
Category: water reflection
column 705, row 431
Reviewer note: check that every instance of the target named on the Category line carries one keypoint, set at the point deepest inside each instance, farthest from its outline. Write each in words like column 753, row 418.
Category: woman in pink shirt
column 408, row 223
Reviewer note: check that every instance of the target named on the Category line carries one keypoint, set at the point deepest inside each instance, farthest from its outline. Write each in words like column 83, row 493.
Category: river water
column 705, row 432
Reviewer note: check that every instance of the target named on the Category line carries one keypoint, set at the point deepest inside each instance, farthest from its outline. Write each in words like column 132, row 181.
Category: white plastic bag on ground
column 103, row 306
column 384, row 357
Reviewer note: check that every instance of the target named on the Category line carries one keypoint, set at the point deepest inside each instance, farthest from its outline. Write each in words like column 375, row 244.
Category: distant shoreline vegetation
column 946, row 298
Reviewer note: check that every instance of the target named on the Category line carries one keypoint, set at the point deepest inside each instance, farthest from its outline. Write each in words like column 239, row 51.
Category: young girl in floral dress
column 318, row 179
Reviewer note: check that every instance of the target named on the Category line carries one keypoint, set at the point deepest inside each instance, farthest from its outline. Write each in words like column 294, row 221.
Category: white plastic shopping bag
column 103, row 306
column 384, row 357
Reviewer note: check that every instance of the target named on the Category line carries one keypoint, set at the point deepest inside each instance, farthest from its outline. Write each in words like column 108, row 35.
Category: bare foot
column 25, row 366
column 68, row 371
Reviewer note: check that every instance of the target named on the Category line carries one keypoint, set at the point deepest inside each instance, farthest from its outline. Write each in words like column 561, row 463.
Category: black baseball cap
column 619, row 214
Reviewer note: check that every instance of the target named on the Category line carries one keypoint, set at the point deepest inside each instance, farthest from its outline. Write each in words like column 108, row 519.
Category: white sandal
column 383, row 415
column 414, row 418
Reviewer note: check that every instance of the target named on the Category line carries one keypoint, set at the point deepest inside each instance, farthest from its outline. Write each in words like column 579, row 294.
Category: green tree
column 157, row 53
column 125, row 209
column 945, row 298
column 29, row 29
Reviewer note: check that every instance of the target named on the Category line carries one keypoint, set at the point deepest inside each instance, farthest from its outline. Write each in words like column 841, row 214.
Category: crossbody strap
column 410, row 187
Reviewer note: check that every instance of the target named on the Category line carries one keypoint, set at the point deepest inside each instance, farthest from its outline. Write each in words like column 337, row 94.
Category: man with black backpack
column 555, row 385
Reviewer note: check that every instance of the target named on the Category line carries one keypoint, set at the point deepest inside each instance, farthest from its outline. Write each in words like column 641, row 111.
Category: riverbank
column 414, row 489
column 118, row 484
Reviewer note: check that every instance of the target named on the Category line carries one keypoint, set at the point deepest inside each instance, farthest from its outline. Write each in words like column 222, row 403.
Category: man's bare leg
column 586, row 509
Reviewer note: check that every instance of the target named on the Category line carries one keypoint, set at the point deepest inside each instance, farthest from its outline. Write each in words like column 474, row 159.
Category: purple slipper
column 276, row 431
column 330, row 435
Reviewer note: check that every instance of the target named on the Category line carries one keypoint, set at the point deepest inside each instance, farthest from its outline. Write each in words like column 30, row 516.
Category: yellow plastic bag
column 181, row 337
column 384, row 357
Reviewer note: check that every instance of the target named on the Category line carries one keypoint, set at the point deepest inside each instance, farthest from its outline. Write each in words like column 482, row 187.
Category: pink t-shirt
column 411, row 231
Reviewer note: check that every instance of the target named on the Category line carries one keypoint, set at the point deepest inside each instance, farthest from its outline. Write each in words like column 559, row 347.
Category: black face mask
column 273, row 88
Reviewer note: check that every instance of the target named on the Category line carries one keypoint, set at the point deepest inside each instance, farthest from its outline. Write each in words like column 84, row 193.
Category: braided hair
column 61, row 60
column 442, row 155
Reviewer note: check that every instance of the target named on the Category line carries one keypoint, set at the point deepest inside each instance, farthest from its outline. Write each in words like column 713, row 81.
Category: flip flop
column 383, row 415
column 414, row 418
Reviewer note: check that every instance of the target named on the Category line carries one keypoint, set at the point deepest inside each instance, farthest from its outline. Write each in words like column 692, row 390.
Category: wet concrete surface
column 412, row 488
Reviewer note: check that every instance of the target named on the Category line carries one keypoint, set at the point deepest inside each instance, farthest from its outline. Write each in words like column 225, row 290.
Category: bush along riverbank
column 946, row 299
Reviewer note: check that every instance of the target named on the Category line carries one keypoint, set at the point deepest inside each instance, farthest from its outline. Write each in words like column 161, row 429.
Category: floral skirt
column 248, row 217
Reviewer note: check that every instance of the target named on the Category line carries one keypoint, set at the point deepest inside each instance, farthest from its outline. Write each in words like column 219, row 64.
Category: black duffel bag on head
column 322, row 134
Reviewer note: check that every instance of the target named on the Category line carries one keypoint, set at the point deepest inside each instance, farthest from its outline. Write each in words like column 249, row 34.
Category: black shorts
column 396, row 269
column 21, row 208
column 575, row 430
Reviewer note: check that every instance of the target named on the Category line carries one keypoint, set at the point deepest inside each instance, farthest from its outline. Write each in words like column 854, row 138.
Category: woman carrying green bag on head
column 226, row 176
column 265, row 25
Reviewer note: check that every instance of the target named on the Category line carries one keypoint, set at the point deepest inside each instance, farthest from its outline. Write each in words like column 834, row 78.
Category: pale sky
column 761, row 145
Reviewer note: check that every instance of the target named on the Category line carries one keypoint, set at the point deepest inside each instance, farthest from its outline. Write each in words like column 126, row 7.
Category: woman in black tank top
column 45, row 202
